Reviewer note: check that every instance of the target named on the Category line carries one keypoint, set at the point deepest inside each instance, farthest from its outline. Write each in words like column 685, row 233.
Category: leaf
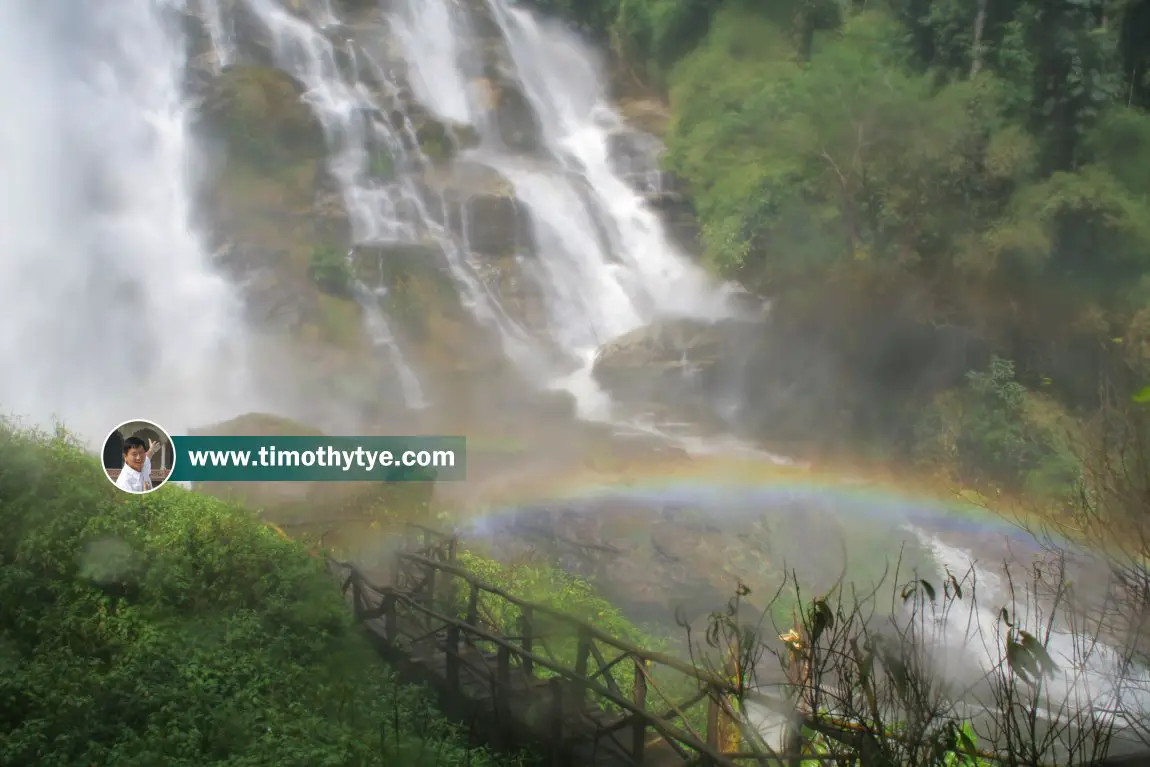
column 1022, row 662
column 898, row 674
column 1038, row 652
column 952, row 586
column 1143, row 396
column 821, row 618
column 1004, row 616
column 964, row 739
column 929, row 589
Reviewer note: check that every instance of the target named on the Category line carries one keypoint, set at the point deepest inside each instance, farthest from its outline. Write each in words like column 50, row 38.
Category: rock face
column 679, row 363
column 282, row 229
column 260, row 113
column 636, row 156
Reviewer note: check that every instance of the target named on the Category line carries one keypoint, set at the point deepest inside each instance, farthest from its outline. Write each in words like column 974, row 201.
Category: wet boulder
column 483, row 211
column 635, row 156
column 521, row 297
column 678, row 362
column 510, row 114
column 493, row 224
column 518, row 124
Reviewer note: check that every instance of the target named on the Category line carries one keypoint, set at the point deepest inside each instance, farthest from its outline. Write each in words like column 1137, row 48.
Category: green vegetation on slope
column 176, row 629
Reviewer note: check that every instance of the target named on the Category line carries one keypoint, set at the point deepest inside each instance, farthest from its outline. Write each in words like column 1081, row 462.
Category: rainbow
column 733, row 485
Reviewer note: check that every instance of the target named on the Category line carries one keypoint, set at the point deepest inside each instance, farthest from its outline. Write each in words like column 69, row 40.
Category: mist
column 110, row 305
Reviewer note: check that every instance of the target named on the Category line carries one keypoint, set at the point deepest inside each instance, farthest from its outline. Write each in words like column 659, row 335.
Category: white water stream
column 110, row 308
column 603, row 262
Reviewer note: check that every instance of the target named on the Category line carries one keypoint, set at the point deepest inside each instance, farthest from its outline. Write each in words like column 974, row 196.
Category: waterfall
column 599, row 257
column 110, row 304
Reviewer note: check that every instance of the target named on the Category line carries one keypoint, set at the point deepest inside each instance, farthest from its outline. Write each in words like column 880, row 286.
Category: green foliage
column 559, row 590
column 651, row 34
column 875, row 150
column 176, row 629
column 799, row 167
column 995, row 430
column 570, row 595
column 381, row 164
column 330, row 270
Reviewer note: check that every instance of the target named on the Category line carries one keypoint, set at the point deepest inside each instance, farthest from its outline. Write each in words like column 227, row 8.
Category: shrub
column 329, row 269
column 176, row 629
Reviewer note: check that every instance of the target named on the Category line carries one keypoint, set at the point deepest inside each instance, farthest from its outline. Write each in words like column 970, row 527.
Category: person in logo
column 136, row 476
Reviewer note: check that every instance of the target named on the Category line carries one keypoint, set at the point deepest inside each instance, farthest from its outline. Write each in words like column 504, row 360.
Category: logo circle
column 123, row 476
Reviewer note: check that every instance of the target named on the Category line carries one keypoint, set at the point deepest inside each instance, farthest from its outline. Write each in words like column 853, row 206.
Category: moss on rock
column 259, row 112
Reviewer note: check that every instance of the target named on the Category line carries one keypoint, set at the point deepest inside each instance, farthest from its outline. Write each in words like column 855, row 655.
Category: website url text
column 330, row 457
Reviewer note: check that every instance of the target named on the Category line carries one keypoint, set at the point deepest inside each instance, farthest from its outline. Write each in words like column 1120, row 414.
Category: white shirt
column 136, row 481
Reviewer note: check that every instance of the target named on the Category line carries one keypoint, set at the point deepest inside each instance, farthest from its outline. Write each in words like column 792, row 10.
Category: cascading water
column 358, row 105
column 1092, row 679
column 603, row 262
column 566, row 87
column 110, row 306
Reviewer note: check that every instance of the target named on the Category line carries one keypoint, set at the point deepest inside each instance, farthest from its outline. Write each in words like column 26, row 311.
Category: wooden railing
column 638, row 699
column 594, row 669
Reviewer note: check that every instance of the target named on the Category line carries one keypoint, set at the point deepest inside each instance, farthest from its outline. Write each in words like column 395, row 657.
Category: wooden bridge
column 528, row 676
column 522, row 675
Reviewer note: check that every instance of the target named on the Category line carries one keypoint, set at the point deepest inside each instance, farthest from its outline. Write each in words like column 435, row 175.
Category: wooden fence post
column 555, row 686
column 473, row 607
column 390, row 619
column 639, row 729
column 713, row 718
column 525, row 627
column 503, row 684
column 579, row 683
column 397, row 569
column 356, row 598
column 429, row 583
column 504, row 726
column 451, row 660
column 722, row 731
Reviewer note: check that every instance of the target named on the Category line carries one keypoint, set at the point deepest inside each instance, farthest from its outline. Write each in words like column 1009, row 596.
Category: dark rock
column 519, row 127
column 496, row 225
column 635, row 156
column 492, row 224
column 510, row 114
column 518, row 294
column 390, row 266
column 483, row 25
column 678, row 214
column 678, row 363
column 262, row 117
